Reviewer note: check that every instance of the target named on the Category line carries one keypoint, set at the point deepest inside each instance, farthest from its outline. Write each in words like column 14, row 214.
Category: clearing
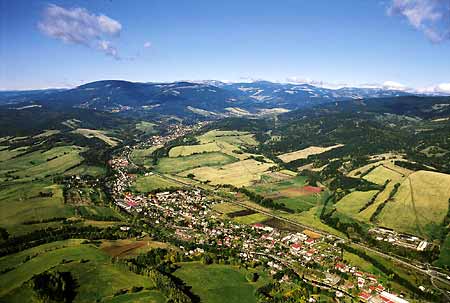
column 306, row 152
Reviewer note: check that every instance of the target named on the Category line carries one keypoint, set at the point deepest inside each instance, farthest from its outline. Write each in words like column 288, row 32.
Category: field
column 380, row 174
column 129, row 247
column 306, row 152
column 40, row 164
column 227, row 207
column 444, row 256
column 146, row 127
column 179, row 164
column 241, row 173
column 292, row 191
column 86, row 170
column 186, row 150
column 153, row 182
column 353, row 202
column 97, row 278
column 218, row 283
column 93, row 133
column 421, row 201
column 232, row 137
column 251, row 219
column 142, row 156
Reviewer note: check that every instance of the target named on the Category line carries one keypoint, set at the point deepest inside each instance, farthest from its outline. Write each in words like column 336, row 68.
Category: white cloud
column 432, row 17
column 79, row 26
column 147, row 44
column 443, row 88
column 392, row 85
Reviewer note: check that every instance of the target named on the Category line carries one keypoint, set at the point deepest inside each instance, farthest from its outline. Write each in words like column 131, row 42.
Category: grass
column 421, row 200
column 153, row 182
column 380, row 174
column 83, row 169
column 250, row 219
column 97, row 279
column 146, row 127
column 142, row 156
column 218, row 283
column 6, row 154
column 40, row 164
column 241, row 173
column 353, row 202
column 146, row 296
column 21, row 202
column 232, row 137
column 444, row 256
column 179, row 164
column 226, row 207
column 94, row 133
column 306, row 152
column 186, row 150
column 47, row 133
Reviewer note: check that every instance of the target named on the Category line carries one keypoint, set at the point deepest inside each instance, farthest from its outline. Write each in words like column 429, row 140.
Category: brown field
column 306, row 152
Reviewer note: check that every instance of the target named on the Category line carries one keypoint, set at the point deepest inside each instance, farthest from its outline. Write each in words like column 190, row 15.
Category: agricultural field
column 40, row 164
column 179, row 164
column 47, row 133
column 142, row 156
column 306, row 152
column 146, row 127
column 251, row 219
column 94, row 133
column 237, row 138
column 351, row 204
column 125, row 248
column 6, row 154
column 381, row 173
column 292, row 191
column 227, row 207
column 187, row 150
column 421, row 201
column 153, row 182
column 83, row 169
column 218, row 283
column 97, row 278
column 241, row 173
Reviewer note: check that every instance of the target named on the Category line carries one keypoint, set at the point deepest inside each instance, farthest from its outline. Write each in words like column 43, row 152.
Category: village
column 189, row 215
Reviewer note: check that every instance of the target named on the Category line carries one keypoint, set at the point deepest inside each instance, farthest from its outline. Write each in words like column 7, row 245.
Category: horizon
column 62, row 44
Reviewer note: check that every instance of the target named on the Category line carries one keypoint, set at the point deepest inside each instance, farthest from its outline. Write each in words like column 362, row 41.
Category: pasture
column 94, row 133
column 218, row 283
column 187, row 150
column 251, row 219
column 146, row 127
column 353, row 202
column 241, row 173
column 421, row 201
column 153, row 182
column 381, row 173
column 306, row 152
column 179, row 164
column 94, row 272
column 142, row 156
column 227, row 207
column 292, row 191
column 40, row 164
column 237, row 138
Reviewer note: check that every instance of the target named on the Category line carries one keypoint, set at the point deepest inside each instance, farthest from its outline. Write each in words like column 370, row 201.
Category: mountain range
column 207, row 98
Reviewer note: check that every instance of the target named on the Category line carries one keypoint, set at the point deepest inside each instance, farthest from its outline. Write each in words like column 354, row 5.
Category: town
column 189, row 215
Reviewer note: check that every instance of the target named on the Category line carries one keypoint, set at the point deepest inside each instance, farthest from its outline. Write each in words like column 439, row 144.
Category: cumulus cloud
column 79, row 26
column 432, row 17
column 147, row 44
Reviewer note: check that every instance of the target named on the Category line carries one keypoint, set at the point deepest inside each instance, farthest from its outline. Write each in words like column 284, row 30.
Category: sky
column 391, row 43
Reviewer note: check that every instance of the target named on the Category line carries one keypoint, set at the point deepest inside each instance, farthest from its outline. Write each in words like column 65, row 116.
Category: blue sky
column 66, row 43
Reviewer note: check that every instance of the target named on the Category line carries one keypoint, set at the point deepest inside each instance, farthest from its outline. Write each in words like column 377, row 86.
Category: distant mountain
column 205, row 98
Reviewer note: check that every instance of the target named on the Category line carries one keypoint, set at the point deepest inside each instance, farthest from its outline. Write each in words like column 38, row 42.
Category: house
column 364, row 296
column 391, row 298
column 296, row 246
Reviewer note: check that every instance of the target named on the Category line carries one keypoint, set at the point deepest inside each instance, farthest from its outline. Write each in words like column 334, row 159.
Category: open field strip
column 306, row 152
column 250, row 219
column 94, row 133
column 179, row 164
column 6, row 154
column 186, row 150
column 232, row 137
column 146, row 127
column 142, row 156
column 153, row 182
column 241, row 173
column 353, row 202
column 380, row 174
column 226, row 207
column 47, row 133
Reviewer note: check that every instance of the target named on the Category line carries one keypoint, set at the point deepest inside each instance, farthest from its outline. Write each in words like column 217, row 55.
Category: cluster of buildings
column 404, row 240
column 189, row 215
